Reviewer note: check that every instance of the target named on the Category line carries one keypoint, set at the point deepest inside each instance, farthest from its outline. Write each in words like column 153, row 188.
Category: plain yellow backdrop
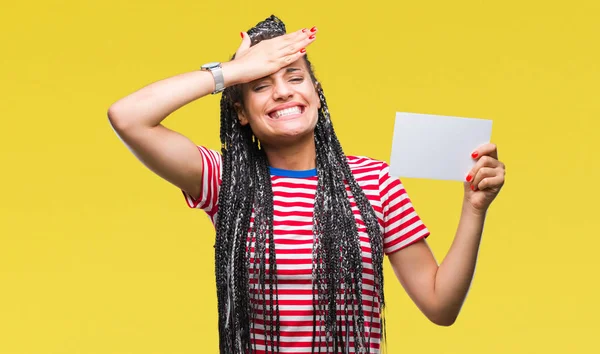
column 99, row 255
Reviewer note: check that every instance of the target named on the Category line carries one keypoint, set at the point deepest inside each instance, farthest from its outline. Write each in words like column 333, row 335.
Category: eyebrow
column 287, row 71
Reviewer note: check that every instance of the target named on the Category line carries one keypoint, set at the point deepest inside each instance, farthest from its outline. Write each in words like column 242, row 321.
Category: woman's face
column 283, row 107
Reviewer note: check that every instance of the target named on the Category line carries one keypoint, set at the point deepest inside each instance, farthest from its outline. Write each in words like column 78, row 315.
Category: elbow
column 115, row 118
column 113, row 114
column 444, row 321
column 443, row 318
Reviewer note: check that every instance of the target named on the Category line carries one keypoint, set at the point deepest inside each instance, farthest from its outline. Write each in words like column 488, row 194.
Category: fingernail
column 313, row 29
column 472, row 187
column 312, row 37
column 242, row 34
column 303, row 50
column 304, row 30
column 469, row 178
column 475, row 154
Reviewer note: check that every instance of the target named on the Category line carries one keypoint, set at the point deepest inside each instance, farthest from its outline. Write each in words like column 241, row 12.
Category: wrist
column 469, row 210
column 231, row 73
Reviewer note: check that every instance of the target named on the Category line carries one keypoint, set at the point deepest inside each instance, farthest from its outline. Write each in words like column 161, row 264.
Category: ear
column 241, row 113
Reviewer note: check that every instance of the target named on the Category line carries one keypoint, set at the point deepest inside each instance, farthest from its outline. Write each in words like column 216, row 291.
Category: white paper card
column 436, row 147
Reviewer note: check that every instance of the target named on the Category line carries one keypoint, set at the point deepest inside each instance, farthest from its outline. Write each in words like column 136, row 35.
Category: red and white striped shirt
column 293, row 201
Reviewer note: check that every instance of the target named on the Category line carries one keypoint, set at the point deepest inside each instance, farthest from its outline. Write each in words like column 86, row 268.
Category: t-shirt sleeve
column 210, row 182
column 402, row 226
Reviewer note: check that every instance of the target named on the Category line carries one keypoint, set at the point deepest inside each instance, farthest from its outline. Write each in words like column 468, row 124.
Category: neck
column 300, row 156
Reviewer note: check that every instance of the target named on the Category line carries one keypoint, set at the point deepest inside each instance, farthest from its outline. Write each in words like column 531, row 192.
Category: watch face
column 210, row 65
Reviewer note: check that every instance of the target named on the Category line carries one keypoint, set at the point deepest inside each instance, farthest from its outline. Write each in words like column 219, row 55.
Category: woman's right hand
column 137, row 117
column 266, row 57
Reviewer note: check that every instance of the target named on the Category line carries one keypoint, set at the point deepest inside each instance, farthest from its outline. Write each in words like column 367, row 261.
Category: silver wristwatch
column 217, row 72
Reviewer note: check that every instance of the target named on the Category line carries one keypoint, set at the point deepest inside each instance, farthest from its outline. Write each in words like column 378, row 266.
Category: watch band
column 217, row 72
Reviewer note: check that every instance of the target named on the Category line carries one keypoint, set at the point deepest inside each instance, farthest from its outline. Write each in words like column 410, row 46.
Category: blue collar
column 293, row 173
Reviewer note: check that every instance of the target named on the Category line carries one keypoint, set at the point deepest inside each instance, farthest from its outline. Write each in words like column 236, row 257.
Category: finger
column 244, row 45
column 294, row 51
column 491, row 182
column 488, row 161
column 481, row 174
column 485, row 161
column 297, row 36
column 306, row 32
column 485, row 150
column 292, row 57
column 305, row 42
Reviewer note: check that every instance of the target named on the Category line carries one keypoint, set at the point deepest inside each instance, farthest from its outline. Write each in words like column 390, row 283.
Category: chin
column 289, row 137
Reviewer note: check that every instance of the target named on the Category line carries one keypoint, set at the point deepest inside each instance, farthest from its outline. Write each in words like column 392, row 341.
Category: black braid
column 337, row 254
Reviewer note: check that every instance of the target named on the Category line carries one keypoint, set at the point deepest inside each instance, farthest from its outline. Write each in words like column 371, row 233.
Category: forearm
column 150, row 105
column 455, row 274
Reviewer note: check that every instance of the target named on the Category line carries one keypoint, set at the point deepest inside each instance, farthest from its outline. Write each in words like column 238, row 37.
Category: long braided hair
column 246, row 281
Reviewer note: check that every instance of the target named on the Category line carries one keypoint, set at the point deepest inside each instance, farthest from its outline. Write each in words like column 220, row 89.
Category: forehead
column 298, row 65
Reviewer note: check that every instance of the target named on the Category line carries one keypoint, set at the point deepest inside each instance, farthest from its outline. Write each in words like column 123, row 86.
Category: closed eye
column 258, row 88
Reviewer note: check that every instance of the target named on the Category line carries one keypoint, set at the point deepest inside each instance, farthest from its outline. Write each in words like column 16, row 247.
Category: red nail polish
column 475, row 154
column 242, row 34
column 312, row 37
column 472, row 188
column 469, row 178
column 313, row 29
column 303, row 50
column 304, row 30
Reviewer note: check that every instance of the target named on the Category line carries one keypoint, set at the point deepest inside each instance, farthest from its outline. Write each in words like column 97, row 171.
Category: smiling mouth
column 287, row 112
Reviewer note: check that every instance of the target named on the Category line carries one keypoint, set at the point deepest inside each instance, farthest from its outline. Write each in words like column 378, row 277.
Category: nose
column 282, row 90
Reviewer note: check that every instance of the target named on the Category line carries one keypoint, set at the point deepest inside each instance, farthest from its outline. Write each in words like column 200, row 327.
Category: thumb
column 244, row 45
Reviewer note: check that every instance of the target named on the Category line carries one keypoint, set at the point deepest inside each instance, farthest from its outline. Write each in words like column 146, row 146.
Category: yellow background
column 98, row 255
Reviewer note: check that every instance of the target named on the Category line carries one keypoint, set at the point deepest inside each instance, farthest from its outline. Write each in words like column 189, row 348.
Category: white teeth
column 287, row 112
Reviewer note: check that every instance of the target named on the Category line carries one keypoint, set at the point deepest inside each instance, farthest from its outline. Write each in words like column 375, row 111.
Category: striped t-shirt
column 293, row 201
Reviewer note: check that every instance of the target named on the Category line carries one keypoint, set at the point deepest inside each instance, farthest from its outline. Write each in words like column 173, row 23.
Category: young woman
column 301, row 228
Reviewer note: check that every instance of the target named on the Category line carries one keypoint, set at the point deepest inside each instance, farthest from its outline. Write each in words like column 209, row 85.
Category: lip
column 286, row 105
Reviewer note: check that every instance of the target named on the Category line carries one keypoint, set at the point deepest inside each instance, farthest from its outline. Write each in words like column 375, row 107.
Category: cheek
column 254, row 116
column 316, row 101
column 259, row 127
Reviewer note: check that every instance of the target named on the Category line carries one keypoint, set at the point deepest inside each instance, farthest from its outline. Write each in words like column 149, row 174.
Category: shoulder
column 365, row 164
column 368, row 172
column 209, row 151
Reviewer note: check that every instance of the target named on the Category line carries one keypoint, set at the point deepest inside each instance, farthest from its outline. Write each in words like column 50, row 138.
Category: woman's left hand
column 485, row 179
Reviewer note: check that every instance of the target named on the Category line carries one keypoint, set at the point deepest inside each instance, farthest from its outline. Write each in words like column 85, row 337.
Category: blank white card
column 436, row 147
